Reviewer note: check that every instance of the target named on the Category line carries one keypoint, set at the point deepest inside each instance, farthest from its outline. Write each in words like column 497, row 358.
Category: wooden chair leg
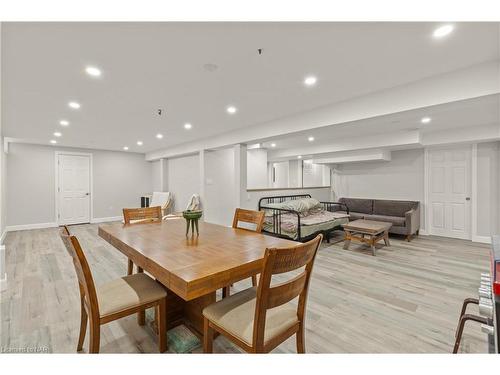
column 226, row 291
column 408, row 238
column 130, row 268
column 83, row 326
column 208, row 337
column 95, row 336
column 157, row 319
column 254, row 280
column 300, row 340
column 141, row 315
column 162, row 325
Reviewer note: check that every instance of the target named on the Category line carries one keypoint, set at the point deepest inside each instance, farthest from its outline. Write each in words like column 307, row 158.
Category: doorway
column 73, row 188
column 449, row 191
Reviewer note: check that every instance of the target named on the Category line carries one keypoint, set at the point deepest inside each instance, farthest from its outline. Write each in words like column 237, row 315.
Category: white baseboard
column 423, row 232
column 2, row 237
column 106, row 219
column 12, row 228
column 481, row 239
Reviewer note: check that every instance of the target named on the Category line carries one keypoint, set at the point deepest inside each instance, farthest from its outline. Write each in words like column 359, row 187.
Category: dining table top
column 194, row 265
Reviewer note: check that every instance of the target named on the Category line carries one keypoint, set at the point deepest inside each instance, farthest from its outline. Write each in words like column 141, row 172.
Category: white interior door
column 449, row 192
column 73, row 189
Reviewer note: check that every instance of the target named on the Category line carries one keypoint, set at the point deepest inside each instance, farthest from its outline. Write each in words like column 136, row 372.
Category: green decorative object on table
column 192, row 217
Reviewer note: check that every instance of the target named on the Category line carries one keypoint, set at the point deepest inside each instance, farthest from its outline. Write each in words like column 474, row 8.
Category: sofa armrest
column 412, row 219
column 331, row 206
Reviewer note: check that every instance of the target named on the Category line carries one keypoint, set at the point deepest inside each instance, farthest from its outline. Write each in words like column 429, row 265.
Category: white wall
column 401, row 178
column 314, row 175
column 257, row 168
column 157, row 175
column 119, row 180
column 280, row 174
column 183, row 179
column 220, row 199
column 487, row 188
column 295, row 173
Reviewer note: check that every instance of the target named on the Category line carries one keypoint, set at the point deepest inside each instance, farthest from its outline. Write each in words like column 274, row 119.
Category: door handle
column 467, row 198
column 87, row 193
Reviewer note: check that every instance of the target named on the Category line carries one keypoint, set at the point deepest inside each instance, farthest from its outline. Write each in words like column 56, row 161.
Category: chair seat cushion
column 395, row 220
column 236, row 313
column 127, row 292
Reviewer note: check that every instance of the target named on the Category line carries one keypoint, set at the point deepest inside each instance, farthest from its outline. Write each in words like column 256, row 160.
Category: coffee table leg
column 386, row 239
column 347, row 240
column 372, row 244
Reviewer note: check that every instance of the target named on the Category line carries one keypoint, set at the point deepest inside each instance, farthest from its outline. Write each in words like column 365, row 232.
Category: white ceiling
column 472, row 112
column 147, row 66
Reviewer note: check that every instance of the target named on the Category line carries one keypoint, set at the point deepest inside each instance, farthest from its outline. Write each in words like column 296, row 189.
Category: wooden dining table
column 192, row 267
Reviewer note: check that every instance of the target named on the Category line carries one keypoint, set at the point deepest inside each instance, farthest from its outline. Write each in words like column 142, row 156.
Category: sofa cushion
column 364, row 206
column 395, row 220
column 392, row 208
column 352, row 215
column 356, row 215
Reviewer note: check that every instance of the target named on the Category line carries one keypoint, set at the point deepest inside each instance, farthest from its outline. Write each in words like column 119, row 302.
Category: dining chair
column 115, row 299
column 137, row 216
column 249, row 217
column 260, row 318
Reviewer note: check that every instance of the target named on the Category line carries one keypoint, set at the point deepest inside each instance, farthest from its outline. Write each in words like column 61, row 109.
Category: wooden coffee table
column 366, row 231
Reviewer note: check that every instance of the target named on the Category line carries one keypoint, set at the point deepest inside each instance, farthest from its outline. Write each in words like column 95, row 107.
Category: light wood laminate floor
column 406, row 299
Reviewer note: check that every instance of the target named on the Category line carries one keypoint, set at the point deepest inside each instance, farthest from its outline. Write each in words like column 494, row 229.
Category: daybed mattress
column 322, row 221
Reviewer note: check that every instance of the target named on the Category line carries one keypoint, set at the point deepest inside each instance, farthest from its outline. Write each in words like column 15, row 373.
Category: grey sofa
column 404, row 215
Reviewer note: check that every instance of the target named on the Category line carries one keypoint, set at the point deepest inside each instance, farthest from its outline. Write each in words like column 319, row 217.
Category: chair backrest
column 249, row 216
column 144, row 213
column 83, row 273
column 277, row 261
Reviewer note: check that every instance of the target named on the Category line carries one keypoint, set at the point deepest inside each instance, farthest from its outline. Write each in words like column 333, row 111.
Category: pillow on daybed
column 303, row 205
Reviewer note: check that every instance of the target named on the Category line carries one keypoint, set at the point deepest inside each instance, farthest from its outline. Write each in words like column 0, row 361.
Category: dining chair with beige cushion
column 115, row 299
column 138, row 216
column 260, row 318
column 255, row 218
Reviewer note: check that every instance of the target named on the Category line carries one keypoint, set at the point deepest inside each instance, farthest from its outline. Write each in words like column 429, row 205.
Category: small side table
column 366, row 231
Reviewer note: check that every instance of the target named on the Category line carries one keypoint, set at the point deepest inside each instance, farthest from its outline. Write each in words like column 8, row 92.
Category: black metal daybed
column 295, row 220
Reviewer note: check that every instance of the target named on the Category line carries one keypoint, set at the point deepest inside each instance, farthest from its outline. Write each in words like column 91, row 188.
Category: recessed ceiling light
column 53, row 141
column 159, row 136
column 125, row 148
column 299, row 157
column 273, row 144
column 187, row 125
column 93, row 71
column 231, row 109
column 310, row 81
column 57, row 134
column 139, row 143
column 310, row 139
column 74, row 105
column 442, row 31
column 425, row 120
column 64, row 123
